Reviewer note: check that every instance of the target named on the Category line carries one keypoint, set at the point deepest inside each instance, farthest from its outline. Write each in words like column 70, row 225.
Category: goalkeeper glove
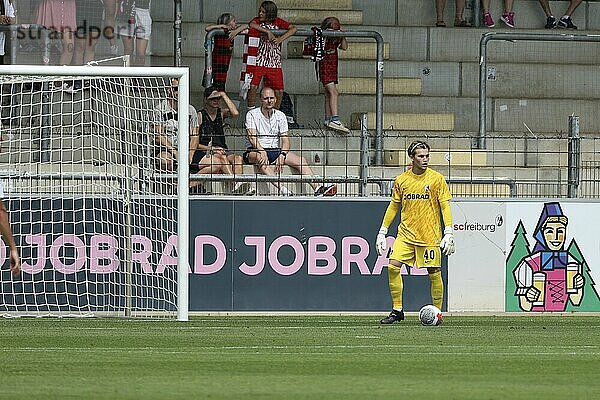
column 381, row 244
column 447, row 243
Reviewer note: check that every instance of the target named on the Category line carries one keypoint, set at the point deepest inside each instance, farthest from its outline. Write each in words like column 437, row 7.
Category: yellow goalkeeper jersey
column 419, row 197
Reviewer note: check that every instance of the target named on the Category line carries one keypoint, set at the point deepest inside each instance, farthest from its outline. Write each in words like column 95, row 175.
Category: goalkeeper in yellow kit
column 422, row 194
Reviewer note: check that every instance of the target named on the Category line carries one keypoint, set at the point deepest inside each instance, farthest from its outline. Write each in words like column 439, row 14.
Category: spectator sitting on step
column 268, row 144
column 165, row 136
column 565, row 21
column 212, row 137
column 223, row 48
column 328, row 74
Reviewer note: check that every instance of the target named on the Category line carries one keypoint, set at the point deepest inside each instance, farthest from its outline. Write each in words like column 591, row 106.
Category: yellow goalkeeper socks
column 437, row 289
column 396, row 286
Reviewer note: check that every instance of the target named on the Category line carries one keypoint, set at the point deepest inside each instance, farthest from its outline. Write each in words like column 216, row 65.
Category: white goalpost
column 100, row 231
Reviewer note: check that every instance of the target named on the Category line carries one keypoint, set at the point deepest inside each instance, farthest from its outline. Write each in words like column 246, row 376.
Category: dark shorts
column 272, row 154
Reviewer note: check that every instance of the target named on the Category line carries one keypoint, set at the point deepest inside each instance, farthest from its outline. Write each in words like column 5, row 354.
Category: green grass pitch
column 301, row 357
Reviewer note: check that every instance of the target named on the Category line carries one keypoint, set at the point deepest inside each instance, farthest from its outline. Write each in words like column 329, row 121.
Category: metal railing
column 514, row 38
column 208, row 47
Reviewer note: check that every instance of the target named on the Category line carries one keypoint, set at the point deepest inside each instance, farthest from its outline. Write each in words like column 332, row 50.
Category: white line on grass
column 514, row 349
column 269, row 351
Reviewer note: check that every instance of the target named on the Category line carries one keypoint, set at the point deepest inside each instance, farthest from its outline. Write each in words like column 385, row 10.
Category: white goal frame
column 182, row 74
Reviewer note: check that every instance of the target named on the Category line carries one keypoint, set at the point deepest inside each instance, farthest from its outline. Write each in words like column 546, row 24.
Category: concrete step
column 527, row 174
column 475, row 158
column 356, row 50
column 409, row 121
column 529, row 14
column 391, row 86
column 426, row 43
column 503, row 115
column 454, row 79
column 316, row 16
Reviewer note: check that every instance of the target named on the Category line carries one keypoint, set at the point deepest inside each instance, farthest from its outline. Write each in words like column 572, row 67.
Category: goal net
column 95, row 222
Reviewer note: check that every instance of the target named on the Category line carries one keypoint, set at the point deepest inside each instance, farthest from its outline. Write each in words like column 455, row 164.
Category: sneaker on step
column 337, row 126
column 394, row 316
column 488, row 20
column 508, row 19
column 566, row 23
column 326, row 190
column 550, row 22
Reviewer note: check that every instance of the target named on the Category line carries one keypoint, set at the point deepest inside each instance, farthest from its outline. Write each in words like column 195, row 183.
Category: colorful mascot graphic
column 549, row 278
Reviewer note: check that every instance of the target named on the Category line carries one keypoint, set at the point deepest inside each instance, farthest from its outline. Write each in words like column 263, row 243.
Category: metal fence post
column 482, row 90
column 574, row 156
column 364, row 156
column 177, row 34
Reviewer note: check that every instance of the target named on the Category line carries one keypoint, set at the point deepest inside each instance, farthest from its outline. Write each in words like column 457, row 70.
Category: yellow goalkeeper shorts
column 416, row 256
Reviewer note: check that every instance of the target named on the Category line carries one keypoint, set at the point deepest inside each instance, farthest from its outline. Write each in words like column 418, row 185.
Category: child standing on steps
column 328, row 74
column 223, row 48
column 268, row 55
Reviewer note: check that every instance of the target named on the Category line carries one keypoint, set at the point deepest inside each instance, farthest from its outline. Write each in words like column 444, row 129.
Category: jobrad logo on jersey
column 416, row 196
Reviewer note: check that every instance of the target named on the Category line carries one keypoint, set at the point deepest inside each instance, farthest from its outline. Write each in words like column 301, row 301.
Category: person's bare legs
column 85, row 49
column 79, row 52
column 90, row 47
column 264, row 169
column 301, row 166
column 572, row 6
column 67, row 50
column 127, row 46
column 440, row 5
column 110, row 10
column 237, row 163
column 486, row 6
column 331, row 99
column 140, row 52
column 546, row 7
column 460, row 9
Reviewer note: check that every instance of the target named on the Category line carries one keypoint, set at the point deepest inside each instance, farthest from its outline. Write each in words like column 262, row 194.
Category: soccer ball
column 430, row 315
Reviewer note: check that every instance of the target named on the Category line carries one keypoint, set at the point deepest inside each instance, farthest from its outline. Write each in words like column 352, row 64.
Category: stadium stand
column 431, row 82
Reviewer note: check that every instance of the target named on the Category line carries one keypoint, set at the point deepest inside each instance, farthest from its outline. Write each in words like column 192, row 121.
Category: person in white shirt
column 268, row 144
column 7, row 17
